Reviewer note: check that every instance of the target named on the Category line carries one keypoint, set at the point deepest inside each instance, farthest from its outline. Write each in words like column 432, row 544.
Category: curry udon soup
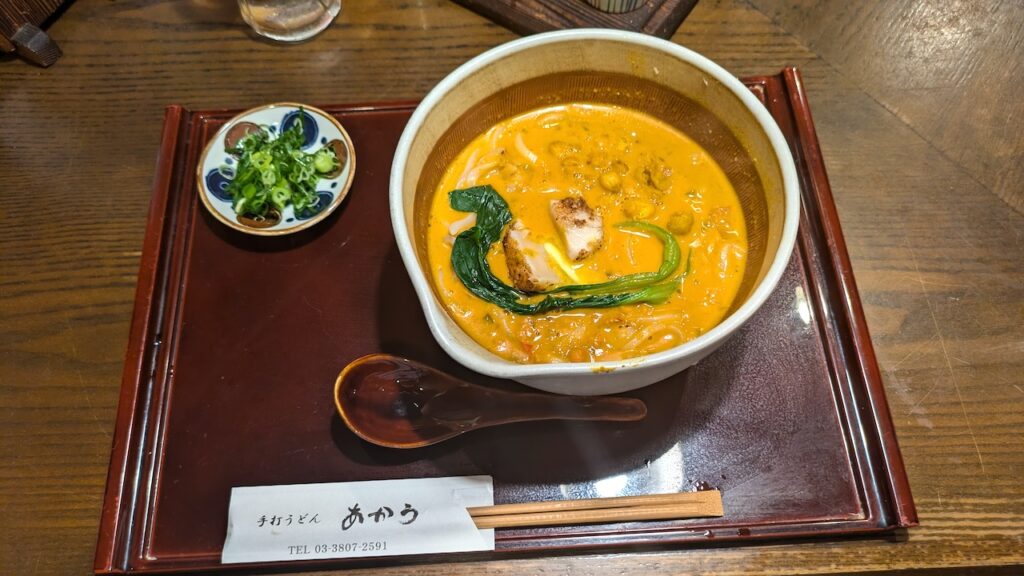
column 608, row 234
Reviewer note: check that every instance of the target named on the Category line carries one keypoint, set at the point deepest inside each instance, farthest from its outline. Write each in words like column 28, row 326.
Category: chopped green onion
column 273, row 173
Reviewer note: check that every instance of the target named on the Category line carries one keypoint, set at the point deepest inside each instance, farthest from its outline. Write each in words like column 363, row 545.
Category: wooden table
column 918, row 110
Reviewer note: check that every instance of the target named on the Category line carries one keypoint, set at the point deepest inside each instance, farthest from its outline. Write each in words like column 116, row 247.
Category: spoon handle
column 546, row 407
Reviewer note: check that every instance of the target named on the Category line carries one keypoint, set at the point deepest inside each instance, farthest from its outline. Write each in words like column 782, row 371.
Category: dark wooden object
column 20, row 32
column 655, row 17
column 788, row 419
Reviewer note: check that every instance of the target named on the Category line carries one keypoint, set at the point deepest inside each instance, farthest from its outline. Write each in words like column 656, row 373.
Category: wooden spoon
column 398, row 403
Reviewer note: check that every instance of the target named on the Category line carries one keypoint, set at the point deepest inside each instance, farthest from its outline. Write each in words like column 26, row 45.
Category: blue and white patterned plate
column 320, row 129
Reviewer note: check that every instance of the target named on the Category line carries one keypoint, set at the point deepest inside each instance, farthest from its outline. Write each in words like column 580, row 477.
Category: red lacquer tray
column 236, row 341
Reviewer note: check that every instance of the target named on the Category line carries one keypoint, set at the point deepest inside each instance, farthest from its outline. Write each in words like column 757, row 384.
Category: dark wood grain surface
column 655, row 17
column 14, row 13
column 917, row 108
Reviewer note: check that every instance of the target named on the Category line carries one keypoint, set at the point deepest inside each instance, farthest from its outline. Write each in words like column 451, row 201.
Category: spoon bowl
column 400, row 403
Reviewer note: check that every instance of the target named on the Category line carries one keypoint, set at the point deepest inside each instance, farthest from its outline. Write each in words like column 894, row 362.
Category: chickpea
column 680, row 223
column 611, row 181
column 656, row 174
column 638, row 209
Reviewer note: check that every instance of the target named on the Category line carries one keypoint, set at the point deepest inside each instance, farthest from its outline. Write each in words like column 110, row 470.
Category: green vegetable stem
column 469, row 259
column 669, row 262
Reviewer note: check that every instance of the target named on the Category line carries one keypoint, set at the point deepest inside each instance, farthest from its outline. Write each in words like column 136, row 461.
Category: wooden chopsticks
column 595, row 510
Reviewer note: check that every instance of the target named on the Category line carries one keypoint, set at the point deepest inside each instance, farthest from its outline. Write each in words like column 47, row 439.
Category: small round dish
column 216, row 166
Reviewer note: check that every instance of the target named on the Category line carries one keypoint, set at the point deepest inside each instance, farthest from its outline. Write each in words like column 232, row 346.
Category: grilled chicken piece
column 528, row 265
column 580, row 226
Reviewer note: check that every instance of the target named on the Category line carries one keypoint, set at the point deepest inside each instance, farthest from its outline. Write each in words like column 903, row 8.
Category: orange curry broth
column 658, row 173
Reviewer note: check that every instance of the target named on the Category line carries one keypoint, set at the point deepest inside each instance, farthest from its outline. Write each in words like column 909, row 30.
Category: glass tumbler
column 289, row 20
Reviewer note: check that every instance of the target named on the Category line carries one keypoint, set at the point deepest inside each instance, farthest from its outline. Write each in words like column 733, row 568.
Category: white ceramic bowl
column 655, row 76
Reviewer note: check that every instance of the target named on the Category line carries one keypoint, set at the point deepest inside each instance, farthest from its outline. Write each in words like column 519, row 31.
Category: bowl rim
column 437, row 317
column 218, row 138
